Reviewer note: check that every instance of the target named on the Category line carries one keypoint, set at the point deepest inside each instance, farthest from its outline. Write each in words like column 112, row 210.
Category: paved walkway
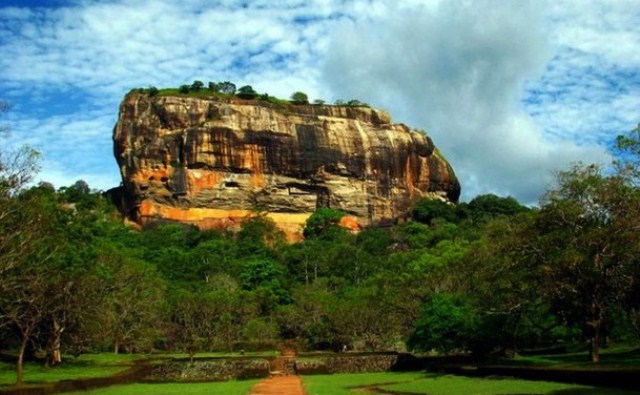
column 279, row 385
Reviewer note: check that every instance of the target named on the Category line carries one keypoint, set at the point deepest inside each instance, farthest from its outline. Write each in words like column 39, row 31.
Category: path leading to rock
column 279, row 385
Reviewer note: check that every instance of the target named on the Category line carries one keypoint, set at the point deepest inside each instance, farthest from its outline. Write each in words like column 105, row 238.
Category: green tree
column 247, row 92
column 29, row 279
column 427, row 210
column 324, row 222
column 212, row 86
column 485, row 207
column 586, row 246
column 197, row 86
column 227, row 87
column 299, row 98
column 134, row 294
column 447, row 322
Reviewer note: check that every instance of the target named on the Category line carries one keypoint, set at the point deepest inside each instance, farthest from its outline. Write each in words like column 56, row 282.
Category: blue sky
column 510, row 91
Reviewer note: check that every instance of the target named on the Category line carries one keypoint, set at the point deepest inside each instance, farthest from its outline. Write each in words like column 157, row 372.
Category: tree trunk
column 116, row 347
column 594, row 346
column 595, row 325
column 54, row 356
column 19, row 366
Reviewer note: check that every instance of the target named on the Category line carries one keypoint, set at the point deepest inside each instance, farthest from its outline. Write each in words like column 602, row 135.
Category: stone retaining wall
column 209, row 370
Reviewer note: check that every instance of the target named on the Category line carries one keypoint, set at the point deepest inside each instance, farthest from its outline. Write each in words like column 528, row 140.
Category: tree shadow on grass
column 592, row 391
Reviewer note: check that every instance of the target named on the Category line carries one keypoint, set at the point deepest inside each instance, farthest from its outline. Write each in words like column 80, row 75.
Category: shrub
column 227, row 87
column 197, row 85
column 184, row 89
column 299, row 98
column 247, row 92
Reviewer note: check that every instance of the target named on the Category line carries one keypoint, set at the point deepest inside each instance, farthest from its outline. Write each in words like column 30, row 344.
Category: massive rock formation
column 213, row 162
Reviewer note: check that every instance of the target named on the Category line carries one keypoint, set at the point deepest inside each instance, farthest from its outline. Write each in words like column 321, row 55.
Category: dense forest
column 488, row 276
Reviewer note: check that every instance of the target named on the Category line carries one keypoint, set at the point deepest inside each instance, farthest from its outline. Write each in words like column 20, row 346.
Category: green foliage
column 324, row 222
column 585, row 244
column 356, row 103
column 184, row 89
column 227, row 87
column 247, row 92
column 427, row 210
column 299, row 98
column 196, row 86
column 212, row 86
column 483, row 208
column 153, row 91
column 447, row 322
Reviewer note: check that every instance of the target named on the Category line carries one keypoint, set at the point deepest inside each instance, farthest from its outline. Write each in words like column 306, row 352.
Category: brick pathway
column 279, row 385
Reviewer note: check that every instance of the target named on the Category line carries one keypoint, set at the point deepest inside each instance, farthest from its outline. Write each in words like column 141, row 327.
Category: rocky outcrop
column 213, row 162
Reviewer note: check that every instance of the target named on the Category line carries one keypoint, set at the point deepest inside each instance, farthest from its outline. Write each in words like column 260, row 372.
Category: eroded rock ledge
column 213, row 162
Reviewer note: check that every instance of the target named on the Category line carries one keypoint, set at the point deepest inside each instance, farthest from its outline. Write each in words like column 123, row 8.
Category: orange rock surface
column 213, row 162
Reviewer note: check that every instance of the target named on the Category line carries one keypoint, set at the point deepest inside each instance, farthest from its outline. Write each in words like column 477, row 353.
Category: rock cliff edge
column 213, row 162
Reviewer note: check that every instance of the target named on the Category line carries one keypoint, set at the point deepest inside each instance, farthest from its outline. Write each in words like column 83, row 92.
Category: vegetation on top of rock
column 247, row 92
column 227, row 90
column 299, row 98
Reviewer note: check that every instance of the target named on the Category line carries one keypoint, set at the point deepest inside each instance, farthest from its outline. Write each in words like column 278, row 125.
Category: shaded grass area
column 434, row 384
column 342, row 384
column 623, row 356
column 84, row 366
column 222, row 388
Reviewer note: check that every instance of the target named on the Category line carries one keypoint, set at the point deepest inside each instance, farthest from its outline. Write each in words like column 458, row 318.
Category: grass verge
column 223, row 388
column 433, row 384
column 84, row 366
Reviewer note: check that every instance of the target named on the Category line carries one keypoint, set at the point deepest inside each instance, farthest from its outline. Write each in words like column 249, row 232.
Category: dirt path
column 279, row 385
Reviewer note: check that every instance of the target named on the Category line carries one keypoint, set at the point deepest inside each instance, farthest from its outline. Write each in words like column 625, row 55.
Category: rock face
column 213, row 162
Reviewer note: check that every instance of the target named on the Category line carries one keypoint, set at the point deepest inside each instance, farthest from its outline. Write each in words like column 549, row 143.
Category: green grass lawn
column 457, row 385
column 223, row 388
column 341, row 384
column 617, row 356
column 433, row 384
column 84, row 366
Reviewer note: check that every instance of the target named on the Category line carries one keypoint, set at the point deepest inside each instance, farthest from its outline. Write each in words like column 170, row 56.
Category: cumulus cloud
column 459, row 70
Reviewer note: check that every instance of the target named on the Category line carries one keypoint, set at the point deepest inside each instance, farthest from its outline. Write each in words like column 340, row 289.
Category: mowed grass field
column 434, row 384
column 84, row 366
column 240, row 387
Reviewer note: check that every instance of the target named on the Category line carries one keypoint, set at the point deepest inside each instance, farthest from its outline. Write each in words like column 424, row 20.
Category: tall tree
column 27, row 290
column 587, row 243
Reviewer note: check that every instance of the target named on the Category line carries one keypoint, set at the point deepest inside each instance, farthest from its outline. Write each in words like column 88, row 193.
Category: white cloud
column 459, row 70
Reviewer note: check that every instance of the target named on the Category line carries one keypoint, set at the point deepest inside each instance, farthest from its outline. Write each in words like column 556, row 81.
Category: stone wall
column 209, row 370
